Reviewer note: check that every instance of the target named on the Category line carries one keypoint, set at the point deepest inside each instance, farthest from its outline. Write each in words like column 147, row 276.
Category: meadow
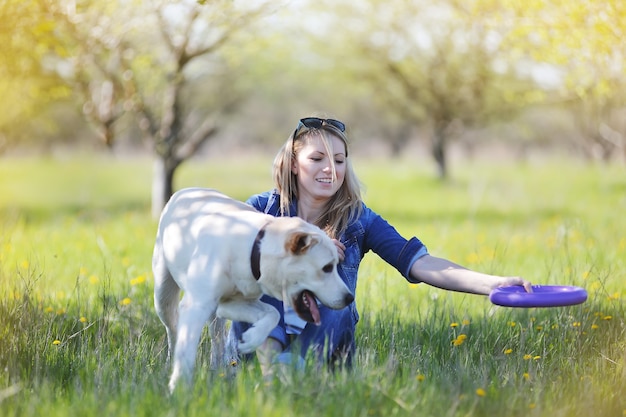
column 79, row 337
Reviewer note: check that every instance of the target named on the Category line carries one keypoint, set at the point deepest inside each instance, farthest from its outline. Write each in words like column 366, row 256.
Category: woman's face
column 314, row 171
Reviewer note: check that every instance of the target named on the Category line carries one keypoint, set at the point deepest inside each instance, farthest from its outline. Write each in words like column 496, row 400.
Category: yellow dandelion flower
column 526, row 376
column 93, row 279
column 508, row 351
column 539, row 328
column 48, row 310
column 481, row 392
column 139, row 280
column 576, row 324
column 536, row 357
column 233, row 362
column 455, row 324
column 528, row 357
column 461, row 336
column 25, row 264
column 126, row 301
column 594, row 326
column 466, row 322
column 472, row 258
column 60, row 311
column 614, row 296
column 56, row 342
column 532, row 406
column 420, row 377
column 512, row 324
column 83, row 319
column 607, row 318
column 457, row 342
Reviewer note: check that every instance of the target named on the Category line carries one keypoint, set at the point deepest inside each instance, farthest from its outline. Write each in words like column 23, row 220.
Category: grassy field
column 78, row 333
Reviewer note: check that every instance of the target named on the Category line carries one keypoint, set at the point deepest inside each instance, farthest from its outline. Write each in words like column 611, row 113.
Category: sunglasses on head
column 317, row 123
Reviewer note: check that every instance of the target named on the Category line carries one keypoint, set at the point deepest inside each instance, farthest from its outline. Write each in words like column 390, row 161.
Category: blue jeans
column 333, row 341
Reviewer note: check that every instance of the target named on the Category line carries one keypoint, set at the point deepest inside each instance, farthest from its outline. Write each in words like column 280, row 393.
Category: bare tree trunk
column 439, row 151
column 399, row 139
column 162, row 183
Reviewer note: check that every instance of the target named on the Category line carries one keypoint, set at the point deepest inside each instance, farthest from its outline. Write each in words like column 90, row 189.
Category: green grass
column 78, row 334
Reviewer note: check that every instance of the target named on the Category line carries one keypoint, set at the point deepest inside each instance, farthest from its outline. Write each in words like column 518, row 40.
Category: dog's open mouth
column 305, row 305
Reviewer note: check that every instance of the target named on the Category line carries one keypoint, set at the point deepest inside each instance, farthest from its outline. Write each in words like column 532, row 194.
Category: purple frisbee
column 542, row 296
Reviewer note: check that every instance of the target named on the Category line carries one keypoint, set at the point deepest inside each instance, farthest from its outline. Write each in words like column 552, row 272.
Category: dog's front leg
column 191, row 320
column 262, row 316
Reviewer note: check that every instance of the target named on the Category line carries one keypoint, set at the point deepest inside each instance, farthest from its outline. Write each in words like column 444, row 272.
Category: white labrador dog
column 223, row 254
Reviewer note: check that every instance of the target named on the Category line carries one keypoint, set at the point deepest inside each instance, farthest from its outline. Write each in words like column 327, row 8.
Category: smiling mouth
column 305, row 306
column 325, row 180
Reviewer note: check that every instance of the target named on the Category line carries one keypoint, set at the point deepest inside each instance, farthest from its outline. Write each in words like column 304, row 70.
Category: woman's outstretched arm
column 442, row 273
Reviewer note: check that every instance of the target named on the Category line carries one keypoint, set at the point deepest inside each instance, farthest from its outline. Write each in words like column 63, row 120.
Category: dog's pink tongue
column 315, row 312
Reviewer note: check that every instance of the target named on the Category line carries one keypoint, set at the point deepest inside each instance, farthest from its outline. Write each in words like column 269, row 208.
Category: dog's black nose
column 348, row 299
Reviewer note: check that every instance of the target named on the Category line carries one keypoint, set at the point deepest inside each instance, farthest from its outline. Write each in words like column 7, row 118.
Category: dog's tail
column 166, row 294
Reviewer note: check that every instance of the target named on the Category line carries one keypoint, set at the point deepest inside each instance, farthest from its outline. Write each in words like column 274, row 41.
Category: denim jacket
column 368, row 232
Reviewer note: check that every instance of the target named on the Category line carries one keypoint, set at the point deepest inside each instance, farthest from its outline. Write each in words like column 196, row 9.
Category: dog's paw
column 249, row 342
column 244, row 347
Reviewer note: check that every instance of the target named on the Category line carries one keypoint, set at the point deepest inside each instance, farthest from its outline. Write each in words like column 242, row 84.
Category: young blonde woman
column 315, row 181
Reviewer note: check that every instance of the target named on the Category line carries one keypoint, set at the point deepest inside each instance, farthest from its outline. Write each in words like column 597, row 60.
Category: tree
column 427, row 63
column 584, row 42
column 26, row 83
column 140, row 59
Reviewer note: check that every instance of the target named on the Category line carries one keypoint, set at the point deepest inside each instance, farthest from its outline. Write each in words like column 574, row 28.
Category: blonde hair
column 342, row 207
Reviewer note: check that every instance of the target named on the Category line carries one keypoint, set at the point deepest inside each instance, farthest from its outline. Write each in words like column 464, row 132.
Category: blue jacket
column 368, row 232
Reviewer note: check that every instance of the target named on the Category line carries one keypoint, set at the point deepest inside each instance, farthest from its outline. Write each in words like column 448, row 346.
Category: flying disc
column 542, row 296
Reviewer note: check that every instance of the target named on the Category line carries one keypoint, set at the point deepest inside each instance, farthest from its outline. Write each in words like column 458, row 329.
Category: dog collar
column 255, row 254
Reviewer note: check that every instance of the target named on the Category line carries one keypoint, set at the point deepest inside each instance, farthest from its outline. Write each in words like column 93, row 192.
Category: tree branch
column 196, row 139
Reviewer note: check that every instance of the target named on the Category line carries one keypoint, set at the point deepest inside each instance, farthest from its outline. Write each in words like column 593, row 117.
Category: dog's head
column 306, row 270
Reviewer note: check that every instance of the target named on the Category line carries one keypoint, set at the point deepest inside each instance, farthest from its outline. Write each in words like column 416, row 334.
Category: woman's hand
column 508, row 281
column 341, row 249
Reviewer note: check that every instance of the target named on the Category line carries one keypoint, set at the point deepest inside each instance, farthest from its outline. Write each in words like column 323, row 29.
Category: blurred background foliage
column 167, row 77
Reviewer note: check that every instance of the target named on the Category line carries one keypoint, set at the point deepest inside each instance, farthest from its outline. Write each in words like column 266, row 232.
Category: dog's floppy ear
column 298, row 243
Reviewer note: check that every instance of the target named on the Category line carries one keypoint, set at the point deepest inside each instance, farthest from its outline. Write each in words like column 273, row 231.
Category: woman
column 315, row 181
